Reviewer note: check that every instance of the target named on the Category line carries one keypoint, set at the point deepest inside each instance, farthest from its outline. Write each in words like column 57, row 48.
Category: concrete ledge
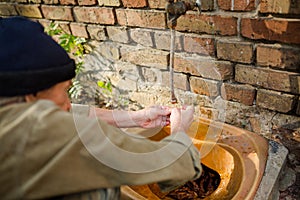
column 269, row 186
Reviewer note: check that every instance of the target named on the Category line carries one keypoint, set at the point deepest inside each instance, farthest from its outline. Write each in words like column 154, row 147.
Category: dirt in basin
column 200, row 188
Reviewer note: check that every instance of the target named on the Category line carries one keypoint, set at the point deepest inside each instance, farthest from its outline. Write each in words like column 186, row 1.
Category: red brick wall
column 254, row 44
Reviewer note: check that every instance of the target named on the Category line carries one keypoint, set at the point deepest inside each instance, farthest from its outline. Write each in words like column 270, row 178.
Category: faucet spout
column 176, row 9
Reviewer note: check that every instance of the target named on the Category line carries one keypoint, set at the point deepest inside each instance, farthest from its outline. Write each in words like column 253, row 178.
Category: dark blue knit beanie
column 30, row 60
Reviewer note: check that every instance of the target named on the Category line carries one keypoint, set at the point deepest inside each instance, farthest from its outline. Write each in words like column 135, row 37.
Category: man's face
column 58, row 94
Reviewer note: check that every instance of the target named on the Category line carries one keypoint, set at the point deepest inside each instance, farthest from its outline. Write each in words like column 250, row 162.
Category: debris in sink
column 200, row 188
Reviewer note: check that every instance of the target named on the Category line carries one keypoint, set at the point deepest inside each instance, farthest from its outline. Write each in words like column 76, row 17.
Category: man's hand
column 181, row 119
column 153, row 116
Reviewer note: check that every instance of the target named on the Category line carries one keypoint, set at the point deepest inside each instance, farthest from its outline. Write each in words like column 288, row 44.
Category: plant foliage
column 74, row 46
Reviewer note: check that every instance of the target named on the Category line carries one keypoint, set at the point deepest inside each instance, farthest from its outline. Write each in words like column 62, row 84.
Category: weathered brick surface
column 44, row 22
column 68, row 2
column 204, row 86
column 7, row 10
column 118, row 34
column 275, row 100
column 57, row 12
column 65, row 26
column 207, row 68
column 51, row 2
column 157, row 4
column 24, row 1
column 207, row 5
column 237, row 5
column 146, row 57
column 79, row 30
column 180, row 80
column 151, row 75
column 142, row 37
column 210, row 24
column 235, row 51
column 268, row 78
column 162, row 40
column 200, row 45
column 109, row 2
column 109, row 51
column 134, row 3
column 280, row 6
column 244, row 94
column 96, row 32
column 87, row 2
column 29, row 10
column 281, row 30
column 141, row 18
column 97, row 15
column 278, row 57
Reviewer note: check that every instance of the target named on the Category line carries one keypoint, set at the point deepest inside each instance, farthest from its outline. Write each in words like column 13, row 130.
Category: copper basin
column 239, row 156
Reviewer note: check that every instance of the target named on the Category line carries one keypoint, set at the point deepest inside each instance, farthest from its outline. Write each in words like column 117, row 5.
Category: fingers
column 181, row 118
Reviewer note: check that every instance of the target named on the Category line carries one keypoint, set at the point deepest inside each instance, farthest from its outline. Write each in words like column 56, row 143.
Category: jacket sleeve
column 81, row 154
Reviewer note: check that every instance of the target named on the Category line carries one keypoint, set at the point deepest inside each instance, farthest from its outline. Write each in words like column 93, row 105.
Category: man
column 48, row 152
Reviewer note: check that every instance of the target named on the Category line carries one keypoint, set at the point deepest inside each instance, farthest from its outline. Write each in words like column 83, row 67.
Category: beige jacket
column 46, row 152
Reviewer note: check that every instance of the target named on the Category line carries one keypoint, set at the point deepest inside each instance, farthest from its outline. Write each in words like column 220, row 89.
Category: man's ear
column 30, row 97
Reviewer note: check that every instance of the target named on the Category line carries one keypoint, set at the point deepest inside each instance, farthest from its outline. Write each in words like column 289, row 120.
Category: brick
column 276, row 101
column 51, row 2
column 207, row 5
column 67, row 2
column 29, row 11
column 204, row 86
column 142, row 37
column 180, row 81
column 79, row 30
column 96, row 32
column 146, row 57
column 280, row 6
column 268, row 78
column 210, row 24
column 162, row 40
column 272, row 29
column 7, row 10
column 278, row 57
column 57, row 12
column 151, row 75
column 207, row 68
column 141, row 18
column 199, row 44
column 235, row 51
column 244, row 94
column 237, row 5
column 109, row 51
column 97, row 15
column 87, row 2
column 44, row 22
column 65, row 26
column 157, row 4
column 118, row 34
column 109, row 2
column 134, row 3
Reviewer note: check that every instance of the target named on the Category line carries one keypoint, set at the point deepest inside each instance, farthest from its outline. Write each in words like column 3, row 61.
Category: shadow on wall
column 294, row 6
column 294, row 82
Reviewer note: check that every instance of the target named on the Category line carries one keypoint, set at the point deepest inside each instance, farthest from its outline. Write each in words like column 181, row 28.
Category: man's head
column 31, row 61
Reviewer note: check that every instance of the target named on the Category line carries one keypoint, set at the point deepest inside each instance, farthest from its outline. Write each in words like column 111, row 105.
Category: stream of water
column 171, row 66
